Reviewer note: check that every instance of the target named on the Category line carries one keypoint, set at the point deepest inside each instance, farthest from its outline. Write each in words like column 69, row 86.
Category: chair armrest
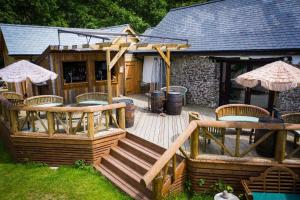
column 248, row 192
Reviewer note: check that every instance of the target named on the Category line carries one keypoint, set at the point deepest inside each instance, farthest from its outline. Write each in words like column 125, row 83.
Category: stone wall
column 200, row 75
column 289, row 101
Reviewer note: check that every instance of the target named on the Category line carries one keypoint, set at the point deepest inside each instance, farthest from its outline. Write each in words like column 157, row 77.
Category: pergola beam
column 117, row 57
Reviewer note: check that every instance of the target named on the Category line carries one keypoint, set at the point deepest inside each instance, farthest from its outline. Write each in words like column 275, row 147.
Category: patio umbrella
column 24, row 70
column 276, row 77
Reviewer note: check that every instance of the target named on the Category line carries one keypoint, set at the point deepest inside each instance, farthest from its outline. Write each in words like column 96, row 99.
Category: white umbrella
column 276, row 76
column 23, row 70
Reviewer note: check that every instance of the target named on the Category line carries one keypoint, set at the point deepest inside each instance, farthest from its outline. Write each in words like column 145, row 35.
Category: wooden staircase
column 128, row 162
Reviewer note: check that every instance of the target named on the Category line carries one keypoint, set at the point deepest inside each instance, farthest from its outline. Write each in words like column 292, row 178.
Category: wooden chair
column 241, row 110
column 13, row 97
column 215, row 132
column 274, row 180
column 293, row 118
column 43, row 100
column 92, row 96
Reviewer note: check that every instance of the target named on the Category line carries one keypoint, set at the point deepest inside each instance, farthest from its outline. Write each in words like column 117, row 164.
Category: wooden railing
column 69, row 120
column 154, row 175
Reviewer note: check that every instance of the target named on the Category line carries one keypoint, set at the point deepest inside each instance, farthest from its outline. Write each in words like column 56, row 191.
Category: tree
column 141, row 14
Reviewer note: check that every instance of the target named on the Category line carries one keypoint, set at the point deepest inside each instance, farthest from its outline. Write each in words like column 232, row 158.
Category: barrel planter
column 157, row 99
column 129, row 112
column 267, row 147
column 174, row 103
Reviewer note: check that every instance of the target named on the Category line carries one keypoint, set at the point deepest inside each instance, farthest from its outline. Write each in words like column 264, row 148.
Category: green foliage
column 4, row 157
column 188, row 186
column 220, row 186
column 141, row 14
column 36, row 164
column 201, row 182
column 80, row 164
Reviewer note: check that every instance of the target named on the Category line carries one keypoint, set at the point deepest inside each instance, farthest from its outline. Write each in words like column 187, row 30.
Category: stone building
column 228, row 38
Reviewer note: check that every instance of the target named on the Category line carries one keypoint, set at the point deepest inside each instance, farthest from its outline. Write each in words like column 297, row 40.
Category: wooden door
column 133, row 77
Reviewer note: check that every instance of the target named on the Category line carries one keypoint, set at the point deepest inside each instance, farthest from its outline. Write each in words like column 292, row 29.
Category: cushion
column 96, row 102
column 239, row 118
column 48, row 105
column 274, row 196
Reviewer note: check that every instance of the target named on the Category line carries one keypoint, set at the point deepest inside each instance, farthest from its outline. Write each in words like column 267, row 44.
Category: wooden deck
column 164, row 129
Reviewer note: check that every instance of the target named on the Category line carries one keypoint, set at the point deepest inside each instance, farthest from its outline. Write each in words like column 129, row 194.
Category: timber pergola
column 163, row 49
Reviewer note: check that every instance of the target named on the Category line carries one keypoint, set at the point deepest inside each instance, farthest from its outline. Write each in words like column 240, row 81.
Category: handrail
column 171, row 151
column 71, row 109
column 168, row 154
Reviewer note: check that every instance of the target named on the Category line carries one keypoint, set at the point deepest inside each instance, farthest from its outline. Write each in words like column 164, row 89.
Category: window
column 101, row 71
column 74, row 72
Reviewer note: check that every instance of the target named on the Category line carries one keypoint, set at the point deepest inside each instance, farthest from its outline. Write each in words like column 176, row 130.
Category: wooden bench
column 13, row 97
column 275, row 183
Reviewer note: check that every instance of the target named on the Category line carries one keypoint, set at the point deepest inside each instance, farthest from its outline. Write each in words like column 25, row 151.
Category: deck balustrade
column 68, row 120
column 200, row 127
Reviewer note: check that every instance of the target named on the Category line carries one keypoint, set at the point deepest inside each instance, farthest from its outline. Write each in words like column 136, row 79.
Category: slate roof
column 33, row 40
column 234, row 25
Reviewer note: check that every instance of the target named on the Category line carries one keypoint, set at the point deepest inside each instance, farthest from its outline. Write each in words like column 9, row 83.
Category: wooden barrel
column 129, row 112
column 267, row 147
column 157, row 98
column 174, row 103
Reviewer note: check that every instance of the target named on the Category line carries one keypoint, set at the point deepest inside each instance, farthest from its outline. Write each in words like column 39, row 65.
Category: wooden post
column 32, row 120
column 157, row 184
column 13, row 121
column 168, row 71
column 91, row 125
column 69, row 114
column 237, row 142
column 106, row 119
column 280, row 145
column 121, row 118
column 174, row 168
column 109, row 87
column 51, row 125
column 195, row 143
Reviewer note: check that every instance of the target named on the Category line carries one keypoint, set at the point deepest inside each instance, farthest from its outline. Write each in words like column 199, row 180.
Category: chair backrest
column 241, row 110
column 176, row 88
column 43, row 99
column 92, row 96
column 275, row 179
column 12, row 96
column 293, row 118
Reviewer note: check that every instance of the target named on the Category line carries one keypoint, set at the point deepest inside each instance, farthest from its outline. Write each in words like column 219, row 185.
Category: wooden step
column 160, row 150
column 140, row 151
column 125, row 173
column 129, row 159
column 120, row 183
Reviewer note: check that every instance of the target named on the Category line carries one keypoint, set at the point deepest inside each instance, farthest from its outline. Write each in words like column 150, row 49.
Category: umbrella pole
column 29, row 88
column 271, row 100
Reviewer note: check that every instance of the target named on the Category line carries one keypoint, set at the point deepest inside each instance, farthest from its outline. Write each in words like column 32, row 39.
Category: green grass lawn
column 38, row 182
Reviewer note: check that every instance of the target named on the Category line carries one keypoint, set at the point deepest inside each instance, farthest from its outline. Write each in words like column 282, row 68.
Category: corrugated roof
column 33, row 40
column 234, row 25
